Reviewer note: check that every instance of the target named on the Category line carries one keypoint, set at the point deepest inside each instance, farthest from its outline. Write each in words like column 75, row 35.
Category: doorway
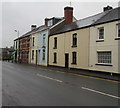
column 66, row 60
column 36, row 56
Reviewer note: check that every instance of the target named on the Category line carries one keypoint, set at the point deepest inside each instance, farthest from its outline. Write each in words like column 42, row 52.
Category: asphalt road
column 27, row 85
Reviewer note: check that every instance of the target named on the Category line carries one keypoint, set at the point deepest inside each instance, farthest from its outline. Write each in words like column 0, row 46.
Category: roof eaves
column 105, row 22
column 71, row 30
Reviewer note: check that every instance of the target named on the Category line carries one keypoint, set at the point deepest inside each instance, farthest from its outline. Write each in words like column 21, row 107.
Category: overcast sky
column 21, row 15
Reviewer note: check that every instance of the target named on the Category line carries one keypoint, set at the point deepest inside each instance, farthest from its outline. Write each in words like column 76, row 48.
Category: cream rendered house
column 92, row 43
column 105, row 43
column 69, row 45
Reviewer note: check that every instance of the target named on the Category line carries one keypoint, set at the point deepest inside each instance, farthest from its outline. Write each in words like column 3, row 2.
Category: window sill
column 55, row 62
column 102, row 40
column 117, row 38
column 104, row 64
column 55, row 48
column 74, row 46
column 74, row 63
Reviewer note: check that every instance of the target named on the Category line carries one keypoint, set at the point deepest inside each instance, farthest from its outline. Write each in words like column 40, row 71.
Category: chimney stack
column 33, row 27
column 46, row 21
column 68, row 14
column 107, row 8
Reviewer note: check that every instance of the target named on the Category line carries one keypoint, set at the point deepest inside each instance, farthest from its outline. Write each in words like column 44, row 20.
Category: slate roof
column 38, row 29
column 112, row 15
column 89, row 21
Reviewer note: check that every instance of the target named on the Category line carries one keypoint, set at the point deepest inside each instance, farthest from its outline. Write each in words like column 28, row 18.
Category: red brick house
column 24, row 49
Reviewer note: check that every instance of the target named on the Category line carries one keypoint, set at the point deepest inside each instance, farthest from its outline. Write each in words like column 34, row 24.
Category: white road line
column 49, row 78
column 106, row 94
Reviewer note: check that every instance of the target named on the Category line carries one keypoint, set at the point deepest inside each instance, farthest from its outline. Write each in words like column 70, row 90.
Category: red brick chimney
column 68, row 14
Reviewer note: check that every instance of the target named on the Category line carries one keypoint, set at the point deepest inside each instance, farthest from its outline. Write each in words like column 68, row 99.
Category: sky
column 16, row 15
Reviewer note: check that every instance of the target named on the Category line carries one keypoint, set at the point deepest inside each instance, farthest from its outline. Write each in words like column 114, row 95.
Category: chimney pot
column 33, row 27
column 107, row 8
column 46, row 21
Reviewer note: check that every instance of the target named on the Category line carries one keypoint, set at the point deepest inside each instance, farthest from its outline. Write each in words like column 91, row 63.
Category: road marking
column 49, row 78
column 106, row 94
column 93, row 77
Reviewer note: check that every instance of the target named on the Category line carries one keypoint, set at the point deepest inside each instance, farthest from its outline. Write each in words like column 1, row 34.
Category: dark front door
column 36, row 57
column 66, row 60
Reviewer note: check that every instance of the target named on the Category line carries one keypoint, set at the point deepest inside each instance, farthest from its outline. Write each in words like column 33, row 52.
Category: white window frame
column 117, row 30
column 44, row 36
column 99, row 33
column 110, row 63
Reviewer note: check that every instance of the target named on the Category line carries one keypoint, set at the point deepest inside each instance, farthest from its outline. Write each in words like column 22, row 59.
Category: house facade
column 66, row 49
column 81, row 44
column 6, row 53
column 105, row 43
column 43, row 48
column 34, row 44
column 33, row 48
column 24, row 49
column 39, row 42
column 69, row 45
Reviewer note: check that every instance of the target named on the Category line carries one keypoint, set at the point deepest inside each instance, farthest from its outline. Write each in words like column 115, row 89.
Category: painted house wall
column 64, row 45
column 119, row 56
column 43, row 45
column 109, row 44
column 34, row 48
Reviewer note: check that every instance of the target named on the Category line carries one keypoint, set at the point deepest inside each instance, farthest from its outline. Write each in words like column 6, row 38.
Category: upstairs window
column 33, row 41
column 101, row 33
column 118, row 30
column 55, row 43
column 74, row 58
column 74, row 40
column 43, row 39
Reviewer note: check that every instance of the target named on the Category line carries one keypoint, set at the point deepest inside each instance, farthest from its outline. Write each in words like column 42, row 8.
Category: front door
column 36, row 57
column 66, row 60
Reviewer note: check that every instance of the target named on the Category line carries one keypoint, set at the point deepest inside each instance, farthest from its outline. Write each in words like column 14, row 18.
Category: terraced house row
column 92, row 43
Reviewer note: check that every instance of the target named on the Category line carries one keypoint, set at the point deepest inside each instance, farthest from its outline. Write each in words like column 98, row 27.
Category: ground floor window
column 55, row 58
column 74, row 58
column 105, row 57
column 32, row 54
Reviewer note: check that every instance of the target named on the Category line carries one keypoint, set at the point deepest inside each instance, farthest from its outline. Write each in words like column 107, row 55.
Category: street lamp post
column 17, row 32
column 18, row 44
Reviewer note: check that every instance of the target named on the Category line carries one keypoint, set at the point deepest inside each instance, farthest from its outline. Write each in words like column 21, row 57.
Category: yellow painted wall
column 35, row 47
column 109, row 44
column 65, row 46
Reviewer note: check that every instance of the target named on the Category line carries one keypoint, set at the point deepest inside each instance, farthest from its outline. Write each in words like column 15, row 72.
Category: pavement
column 97, row 74
column 29, row 85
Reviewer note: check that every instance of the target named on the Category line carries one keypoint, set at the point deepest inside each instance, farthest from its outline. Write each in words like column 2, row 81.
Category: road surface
column 28, row 85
